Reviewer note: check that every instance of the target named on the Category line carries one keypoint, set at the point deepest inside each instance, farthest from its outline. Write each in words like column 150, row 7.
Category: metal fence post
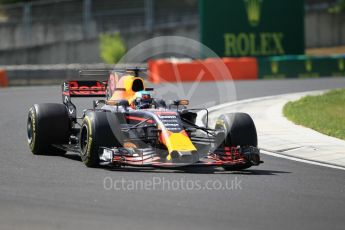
column 86, row 17
column 149, row 15
column 27, row 24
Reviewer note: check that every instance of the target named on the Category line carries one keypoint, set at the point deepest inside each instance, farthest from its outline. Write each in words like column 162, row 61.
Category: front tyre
column 239, row 129
column 95, row 133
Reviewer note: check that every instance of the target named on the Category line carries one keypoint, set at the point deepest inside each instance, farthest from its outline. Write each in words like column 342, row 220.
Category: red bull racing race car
column 129, row 127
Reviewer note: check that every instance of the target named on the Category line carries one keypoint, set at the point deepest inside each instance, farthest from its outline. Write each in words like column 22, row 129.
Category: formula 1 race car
column 129, row 127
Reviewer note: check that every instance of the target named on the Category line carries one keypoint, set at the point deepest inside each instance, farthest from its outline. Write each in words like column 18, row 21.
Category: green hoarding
column 300, row 66
column 252, row 27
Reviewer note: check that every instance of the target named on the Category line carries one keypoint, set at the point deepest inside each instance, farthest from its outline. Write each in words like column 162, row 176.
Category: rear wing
column 91, row 88
column 84, row 88
column 78, row 88
column 95, row 88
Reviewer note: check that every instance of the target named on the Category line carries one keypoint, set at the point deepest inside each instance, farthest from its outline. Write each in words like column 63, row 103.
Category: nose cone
column 187, row 157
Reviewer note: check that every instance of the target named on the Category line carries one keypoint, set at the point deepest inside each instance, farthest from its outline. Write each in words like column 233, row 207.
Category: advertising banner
column 252, row 27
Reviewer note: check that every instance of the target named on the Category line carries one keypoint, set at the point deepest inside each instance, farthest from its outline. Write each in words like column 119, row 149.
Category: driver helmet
column 143, row 100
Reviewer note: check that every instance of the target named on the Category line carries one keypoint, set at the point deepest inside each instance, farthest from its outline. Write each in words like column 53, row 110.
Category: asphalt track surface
column 50, row 192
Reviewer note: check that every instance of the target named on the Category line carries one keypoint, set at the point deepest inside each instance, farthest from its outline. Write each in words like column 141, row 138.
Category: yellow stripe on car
column 179, row 142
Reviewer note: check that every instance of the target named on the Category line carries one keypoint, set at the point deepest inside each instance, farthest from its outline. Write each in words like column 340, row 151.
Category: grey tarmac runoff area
column 50, row 192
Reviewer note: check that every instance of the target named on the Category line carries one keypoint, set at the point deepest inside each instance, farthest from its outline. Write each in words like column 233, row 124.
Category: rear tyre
column 95, row 133
column 48, row 125
column 239, row 131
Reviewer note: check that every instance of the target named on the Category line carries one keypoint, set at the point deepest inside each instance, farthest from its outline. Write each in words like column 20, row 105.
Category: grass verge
column 323, row 113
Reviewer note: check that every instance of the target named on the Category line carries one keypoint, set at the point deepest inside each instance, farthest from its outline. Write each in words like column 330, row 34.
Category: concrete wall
column 323, row 29
column 19, row 36
column 40, row 23
column 79, row 51
column 83, row 51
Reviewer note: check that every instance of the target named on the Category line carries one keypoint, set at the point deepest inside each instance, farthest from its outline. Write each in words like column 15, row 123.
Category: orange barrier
column 158, row 69
column 245, row 68
column 165, row 71
column 3, row 78
column 211, row 69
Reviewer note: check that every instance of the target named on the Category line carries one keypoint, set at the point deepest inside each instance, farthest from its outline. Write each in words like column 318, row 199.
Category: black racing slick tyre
column 99, row 129
column 48, row 125
column 239, row 131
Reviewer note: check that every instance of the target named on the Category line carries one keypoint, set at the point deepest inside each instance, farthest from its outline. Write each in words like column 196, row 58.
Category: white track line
column 301, row 160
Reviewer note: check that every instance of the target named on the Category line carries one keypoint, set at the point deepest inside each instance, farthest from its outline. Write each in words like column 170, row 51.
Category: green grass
column 323, row 113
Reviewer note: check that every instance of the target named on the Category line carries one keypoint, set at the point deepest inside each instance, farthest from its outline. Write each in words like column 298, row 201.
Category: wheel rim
column 84, row 140
column 30, row 130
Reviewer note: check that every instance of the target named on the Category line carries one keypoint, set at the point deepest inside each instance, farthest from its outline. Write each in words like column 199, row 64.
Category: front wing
column 148, row 158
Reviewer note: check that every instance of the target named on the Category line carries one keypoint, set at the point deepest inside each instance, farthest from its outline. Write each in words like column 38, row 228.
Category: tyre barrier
column 211, row 69
column 3, row 78
column 247, row 68
column 301, row 66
